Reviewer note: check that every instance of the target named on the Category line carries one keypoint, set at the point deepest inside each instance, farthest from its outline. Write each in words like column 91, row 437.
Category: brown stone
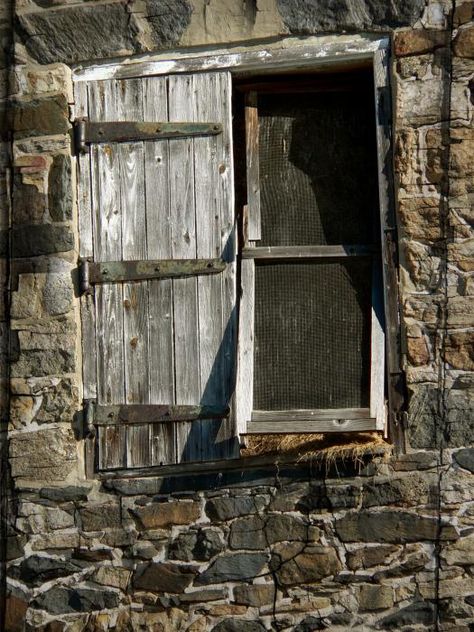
column 415, row 42
column 370, row 556
column 420, row 218
column 464, row 42
column 40, row 117
column 255, row 595
column 227, row 610
column 417, row 351
column 162, row 515
column 101, row 516
column 463, row 13
column 15, row 614
column 375, row 597
column 295, row 563
column 164, row 577
column 459, row 350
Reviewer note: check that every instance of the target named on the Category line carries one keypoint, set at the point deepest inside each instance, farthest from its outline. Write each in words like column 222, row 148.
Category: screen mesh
column 312, row 335
column 317, row 169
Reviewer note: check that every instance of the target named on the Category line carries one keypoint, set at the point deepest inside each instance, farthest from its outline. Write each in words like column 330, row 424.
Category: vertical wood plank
column 245, row 352
column 377, row 355
column 160, row 292
column 253, row 175
column 388, row 239
column 183, row 224
column 134, row 247
column 89, row 372
column 107, row 244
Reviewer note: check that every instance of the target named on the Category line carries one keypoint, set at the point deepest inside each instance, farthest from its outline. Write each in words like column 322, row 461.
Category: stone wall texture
column 384, row 545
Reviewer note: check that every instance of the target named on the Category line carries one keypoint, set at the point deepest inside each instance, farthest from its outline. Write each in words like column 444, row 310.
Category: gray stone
column 306, row 17
column 411, row 490
column 222, row 509
column 36, row 570
column 258, row 532
column 46, row 455
column 58, row 600
column 422, row 613
column 295, row 563
column 168, row 20
column 33, row 239
column 166, row 514
column 164, row 577
column 415, row 461
column 238, row 625
column 58, row 294
column 375, row 597
column 465, row 458
column 309, row 624
column 202, row 596
column 236, row 567
column 101, row 516
column 38, row 363
column 52, row 36
column 29, row 203
column 200, row 545
column 391, row 526
column 40, row 117
column 60, row 189
column 370, row 556
column 39, row 518
column 57, row 401
column 15, row 547
column 65, row 494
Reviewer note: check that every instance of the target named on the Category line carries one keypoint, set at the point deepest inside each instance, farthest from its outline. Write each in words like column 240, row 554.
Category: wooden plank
column 286, row 54
column 183, row 227
column 89, row 369
column 245, row 359
column 115, row 271
column 377, row 349
column 107, row 228
column 311, row 426
column 388, row 227
column 160, row 293
column 253, row 170
column 308, row 252
column 304, row 415
column 134, row 246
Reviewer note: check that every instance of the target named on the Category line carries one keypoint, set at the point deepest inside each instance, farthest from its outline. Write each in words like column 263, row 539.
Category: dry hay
column 318, row 447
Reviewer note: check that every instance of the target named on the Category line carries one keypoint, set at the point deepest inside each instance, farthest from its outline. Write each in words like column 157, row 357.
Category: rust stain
column 134, row 342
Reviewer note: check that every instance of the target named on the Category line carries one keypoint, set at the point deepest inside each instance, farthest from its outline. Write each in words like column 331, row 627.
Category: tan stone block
column 458, row 587
column 375, row 597
column 459, row 350
column 464, row 42
column 417, row 351
column 225, row 610
column 420, row 217
column 420, row 102
column 112, row 576
column 414, row 42
column 159, row 515
column 420, row 268
column 460, row 553
column 460, row 311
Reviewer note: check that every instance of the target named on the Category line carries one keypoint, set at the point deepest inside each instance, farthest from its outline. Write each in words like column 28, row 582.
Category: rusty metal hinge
column 129, row 414
column 87, row 132
column 88, row 416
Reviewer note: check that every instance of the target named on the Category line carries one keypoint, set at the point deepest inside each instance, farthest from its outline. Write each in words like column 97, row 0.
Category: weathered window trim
column 311, row 54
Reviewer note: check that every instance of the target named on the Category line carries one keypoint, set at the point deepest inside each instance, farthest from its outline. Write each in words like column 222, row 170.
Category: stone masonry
column 386, row 544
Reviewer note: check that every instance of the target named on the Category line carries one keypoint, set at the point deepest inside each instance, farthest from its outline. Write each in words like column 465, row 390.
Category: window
column 220, row 300
column 311, row 256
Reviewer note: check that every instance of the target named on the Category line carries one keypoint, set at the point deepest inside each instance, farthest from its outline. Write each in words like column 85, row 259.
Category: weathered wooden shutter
column 159, row 353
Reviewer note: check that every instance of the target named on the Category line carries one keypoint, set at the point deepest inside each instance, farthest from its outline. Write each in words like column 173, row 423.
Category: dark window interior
column 318, row 186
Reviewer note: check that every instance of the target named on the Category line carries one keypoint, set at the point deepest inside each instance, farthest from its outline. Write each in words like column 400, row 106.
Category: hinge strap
column 91, row 273
column 127, row 414
column 87, row 133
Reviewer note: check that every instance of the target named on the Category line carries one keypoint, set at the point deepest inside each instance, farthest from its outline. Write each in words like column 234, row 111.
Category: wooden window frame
column 311, row 54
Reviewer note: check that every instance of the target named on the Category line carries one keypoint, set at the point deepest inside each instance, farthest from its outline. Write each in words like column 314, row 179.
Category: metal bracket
column 86, row 132
column 92, row 273
column 89, row 428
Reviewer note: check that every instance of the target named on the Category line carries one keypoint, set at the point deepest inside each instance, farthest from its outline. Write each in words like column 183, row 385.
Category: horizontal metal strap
column 152, row 413
column 309, row 252
column 87, row 132
column 117, row 271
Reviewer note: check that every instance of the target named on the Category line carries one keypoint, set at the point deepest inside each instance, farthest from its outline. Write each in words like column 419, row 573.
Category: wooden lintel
column 308, row 252
column 151, row 413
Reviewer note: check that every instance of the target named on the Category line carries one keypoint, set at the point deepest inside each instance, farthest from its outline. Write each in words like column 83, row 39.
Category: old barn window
column 233, row 272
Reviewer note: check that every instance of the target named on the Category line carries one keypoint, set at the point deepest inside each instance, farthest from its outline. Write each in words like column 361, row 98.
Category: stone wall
column 384, row 546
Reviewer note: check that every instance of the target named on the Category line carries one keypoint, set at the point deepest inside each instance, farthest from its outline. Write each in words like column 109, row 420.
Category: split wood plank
column 377, row 349
column 185, row 304
column 253, row 169
column 309, row 252
column 245, row 352
column 107, row 228
column 162, row 437
column 322, row 414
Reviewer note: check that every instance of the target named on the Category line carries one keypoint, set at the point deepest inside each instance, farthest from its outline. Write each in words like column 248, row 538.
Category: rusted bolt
column 210, row 264
column 157, row 269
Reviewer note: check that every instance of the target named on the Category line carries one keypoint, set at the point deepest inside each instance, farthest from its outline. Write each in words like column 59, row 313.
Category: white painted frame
column 312, row 54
